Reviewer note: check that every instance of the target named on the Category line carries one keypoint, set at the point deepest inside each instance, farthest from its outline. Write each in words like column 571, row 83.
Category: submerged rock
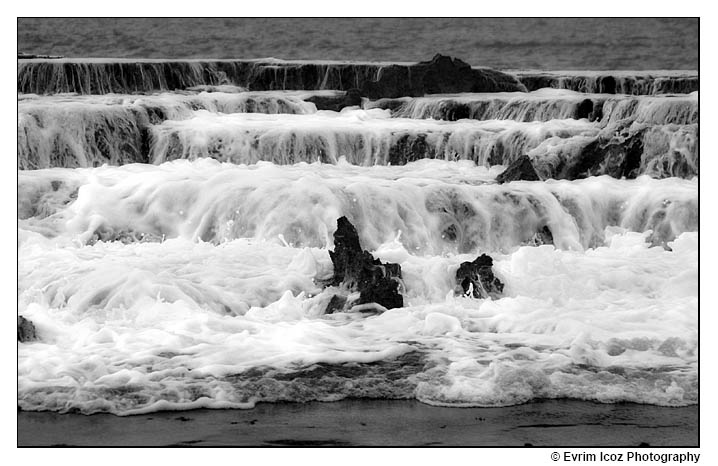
column 618, row 156
column 478, row 278
column 350, row 98
column 357, row 270
column 607, row 85
column 585, row 109
column 541, row 237
column 25, row 330
column 336, row 304
column 410, row 147
column 519, row 169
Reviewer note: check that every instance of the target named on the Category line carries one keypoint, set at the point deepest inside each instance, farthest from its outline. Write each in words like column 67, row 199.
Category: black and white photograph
column 360, row 232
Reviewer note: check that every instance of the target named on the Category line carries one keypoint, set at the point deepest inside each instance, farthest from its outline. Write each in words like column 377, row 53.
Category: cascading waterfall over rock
column 558, row 129
column 97, row 76
column 465, row 212
column 441, row 74
column 547, row 105
column 220, row 233
column 363, row 137
column 616, row 82
column 85, row 131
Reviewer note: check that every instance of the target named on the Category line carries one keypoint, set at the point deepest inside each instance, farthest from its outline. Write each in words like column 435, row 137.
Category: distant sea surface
column 505, row 43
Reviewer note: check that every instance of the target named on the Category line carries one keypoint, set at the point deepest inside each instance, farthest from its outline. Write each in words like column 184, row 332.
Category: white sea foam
column 164, row 318
column 130, row 328
column 436, row 206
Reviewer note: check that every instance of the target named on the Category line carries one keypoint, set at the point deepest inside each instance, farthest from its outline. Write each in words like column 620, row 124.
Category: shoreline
column 376, row 423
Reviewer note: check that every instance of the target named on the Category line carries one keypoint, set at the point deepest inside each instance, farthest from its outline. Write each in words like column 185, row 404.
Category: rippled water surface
column 517, row 43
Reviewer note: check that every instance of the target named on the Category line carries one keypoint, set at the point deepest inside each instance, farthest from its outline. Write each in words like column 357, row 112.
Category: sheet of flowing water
column 283, row 127
column 197, row 284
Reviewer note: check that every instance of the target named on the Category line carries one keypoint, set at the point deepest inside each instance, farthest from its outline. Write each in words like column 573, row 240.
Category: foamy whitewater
column 194, row 284
column 172, row 248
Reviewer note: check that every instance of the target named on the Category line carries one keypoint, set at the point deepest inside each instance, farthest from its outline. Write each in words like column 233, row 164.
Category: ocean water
column 174, row 243
column 504, row 43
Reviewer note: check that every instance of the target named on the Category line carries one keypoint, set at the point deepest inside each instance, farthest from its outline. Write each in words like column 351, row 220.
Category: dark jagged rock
column 25, row 330
column 347, row 252
column 478, row 277
column 440, row 75
column 350, row 98
column 519, row 169
column 619, row 156
column 357, row 270
column 324, row 102
column 623, row 159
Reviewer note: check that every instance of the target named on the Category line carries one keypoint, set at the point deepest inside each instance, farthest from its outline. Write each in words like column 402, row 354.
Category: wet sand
column 374, row 423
